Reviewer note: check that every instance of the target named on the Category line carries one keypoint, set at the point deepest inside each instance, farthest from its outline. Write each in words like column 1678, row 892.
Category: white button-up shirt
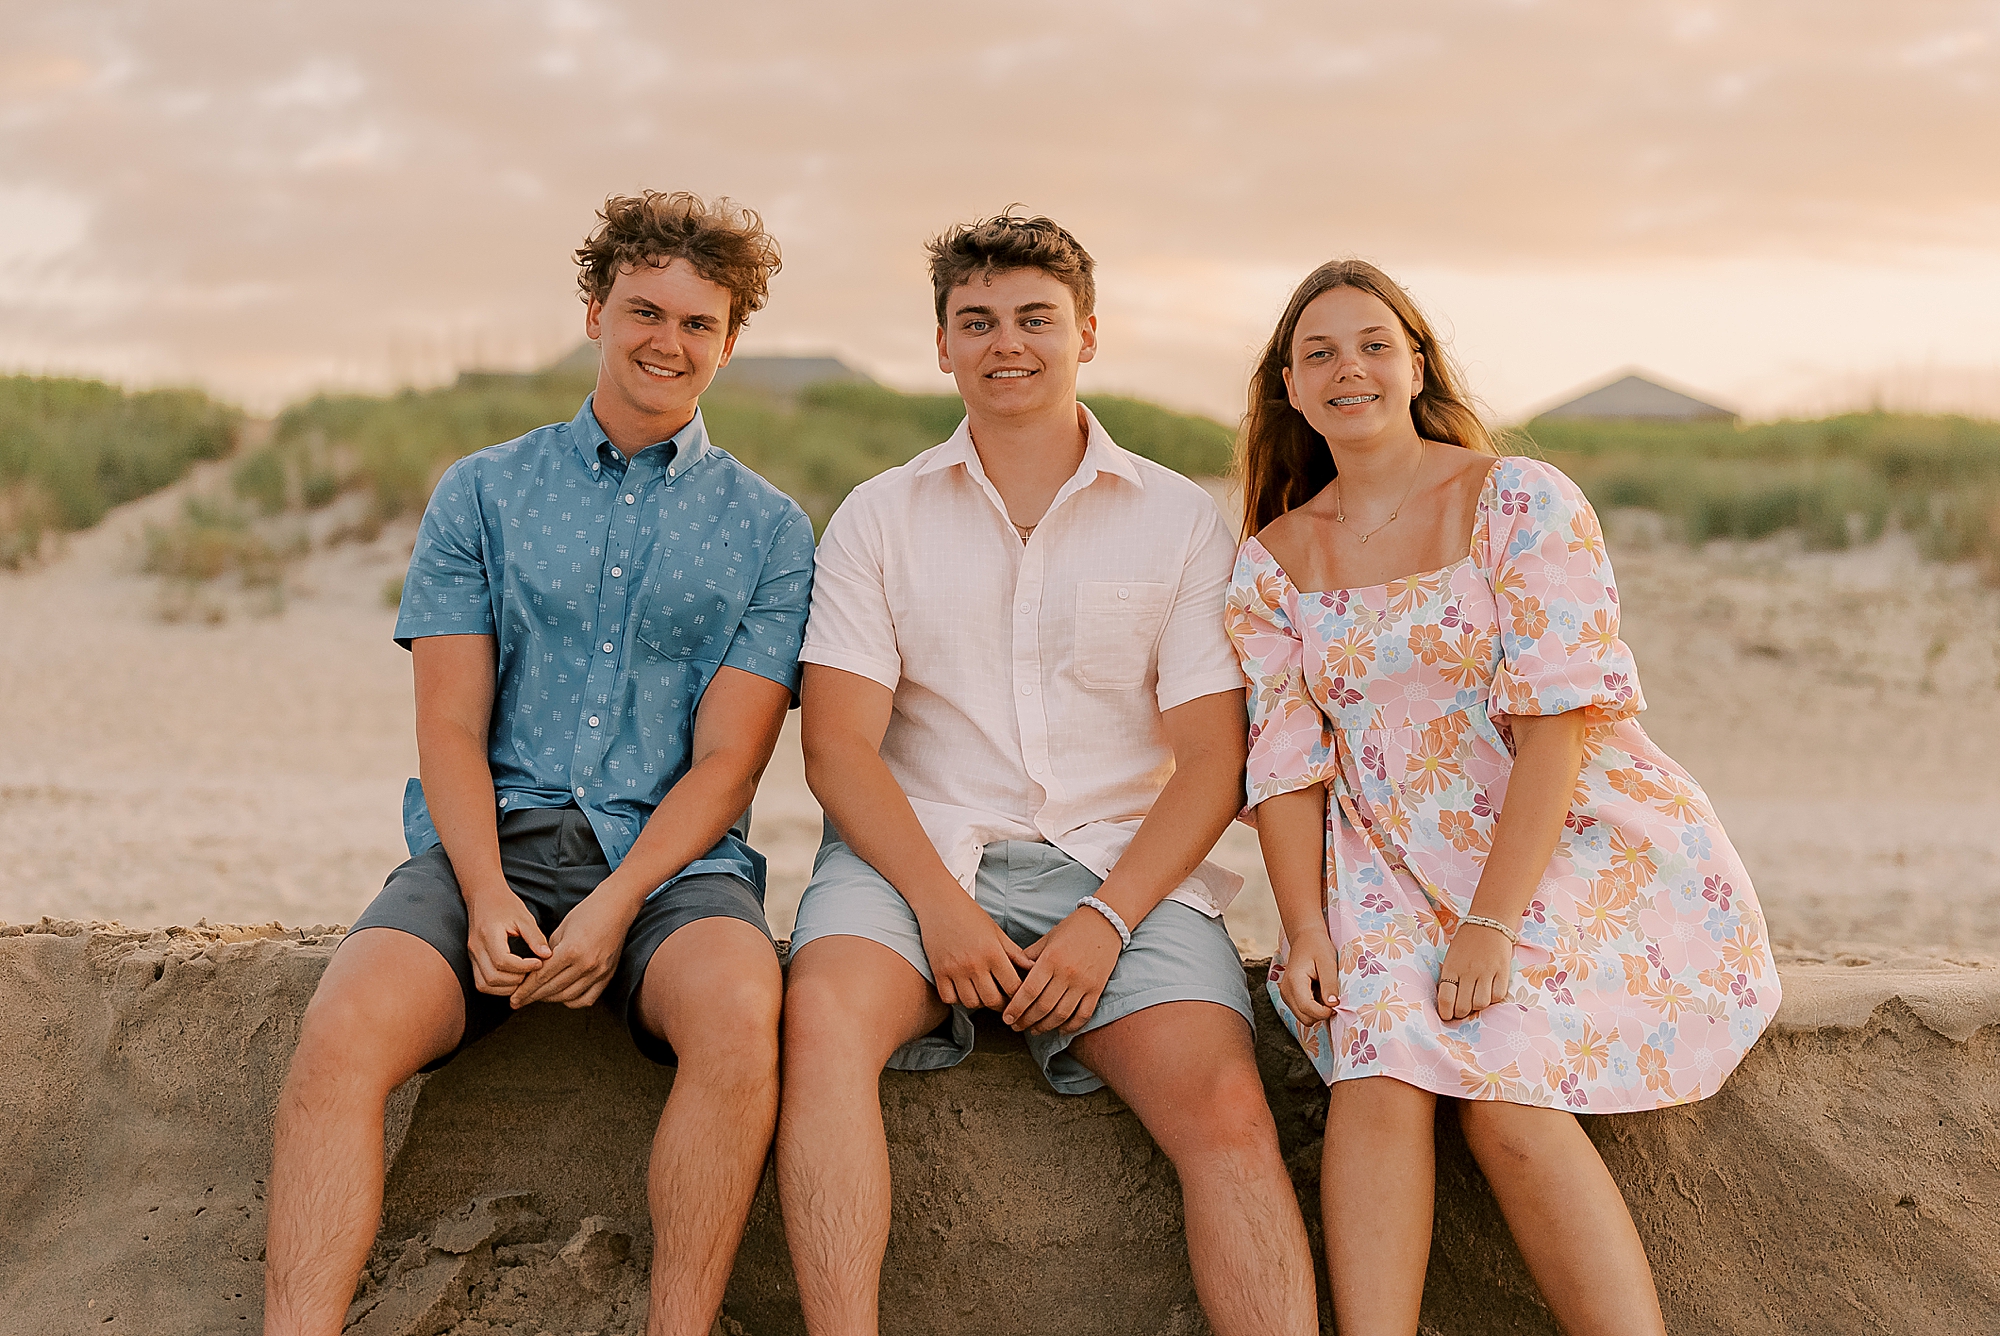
column 1030, row 677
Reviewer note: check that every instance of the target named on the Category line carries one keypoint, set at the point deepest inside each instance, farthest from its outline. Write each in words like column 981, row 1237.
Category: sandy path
column 1843, row 710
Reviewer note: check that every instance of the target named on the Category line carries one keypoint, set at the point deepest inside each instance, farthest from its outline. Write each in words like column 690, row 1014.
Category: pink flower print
column 1339, row 599
column 1577, row 822
column 1740, row 989
column 1340, row 695
column 1658, row 962
column 1513, row 503
column 1718, row 890
column 1537, row 911
column 1619, row 685
column 1571, row 1087
column 1375, row 761
column 1558, row 988
column 1367, row 962
column 1482, row 804
column 1452, row 617
column 1377, row 903
column 1359, row 1050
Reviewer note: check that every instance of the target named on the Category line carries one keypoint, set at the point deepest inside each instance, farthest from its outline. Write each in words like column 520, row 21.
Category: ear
column 1291, row 391
column 728, row 347
column 1416, row 374
column 1088, row 333
column 944, row 358
column 593, row 319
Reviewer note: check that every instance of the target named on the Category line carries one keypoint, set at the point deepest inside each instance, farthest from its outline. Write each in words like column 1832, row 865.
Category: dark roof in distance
column 1633, row 397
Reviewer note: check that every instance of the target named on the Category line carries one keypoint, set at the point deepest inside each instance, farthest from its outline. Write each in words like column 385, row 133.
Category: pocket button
column 1124, row 593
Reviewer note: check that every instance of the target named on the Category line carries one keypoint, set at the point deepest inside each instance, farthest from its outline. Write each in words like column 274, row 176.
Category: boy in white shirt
column 1026, row 726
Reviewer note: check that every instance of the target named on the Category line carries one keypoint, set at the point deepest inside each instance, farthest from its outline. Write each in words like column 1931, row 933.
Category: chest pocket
column 1118, row 626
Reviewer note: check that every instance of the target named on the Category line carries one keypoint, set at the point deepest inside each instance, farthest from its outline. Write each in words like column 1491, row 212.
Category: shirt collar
column 1101, row 454
column 690, row 443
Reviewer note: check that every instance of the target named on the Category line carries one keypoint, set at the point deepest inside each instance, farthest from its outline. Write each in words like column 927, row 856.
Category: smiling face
column 1353, row 372
column 663, row 332
column 1013, row 343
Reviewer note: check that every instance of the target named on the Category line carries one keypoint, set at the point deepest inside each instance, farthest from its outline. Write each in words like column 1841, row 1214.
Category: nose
column 1349, row 369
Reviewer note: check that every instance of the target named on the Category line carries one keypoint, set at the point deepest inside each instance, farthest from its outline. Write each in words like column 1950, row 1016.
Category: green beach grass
column 70, row 450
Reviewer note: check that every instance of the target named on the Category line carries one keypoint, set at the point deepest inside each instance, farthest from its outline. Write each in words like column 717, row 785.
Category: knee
column 1501, row 1134
column 343, row 1045
column 734, row 1036
column 820, row 1010
column 1225, row 1114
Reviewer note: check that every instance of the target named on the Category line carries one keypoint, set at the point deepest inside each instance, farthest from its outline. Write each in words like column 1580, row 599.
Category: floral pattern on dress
column 1644, row 972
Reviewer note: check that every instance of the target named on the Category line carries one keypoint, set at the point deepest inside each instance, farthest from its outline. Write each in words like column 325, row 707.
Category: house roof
column 1635, row 397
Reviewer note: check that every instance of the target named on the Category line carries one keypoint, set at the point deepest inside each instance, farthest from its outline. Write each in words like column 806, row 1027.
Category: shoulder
column 750, row 491
column 1534, row 481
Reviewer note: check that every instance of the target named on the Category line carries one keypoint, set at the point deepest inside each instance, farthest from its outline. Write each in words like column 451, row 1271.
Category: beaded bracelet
column 1481, row 921
column 1112, row 917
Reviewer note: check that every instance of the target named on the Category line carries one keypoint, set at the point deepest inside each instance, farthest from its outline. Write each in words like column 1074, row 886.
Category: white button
column 593, row 721
column 629, row 498
column 670, row 472
column 1027, row 607
column 595, row 466
column 1027, row 691
column 1124, row 593
column 607, row 647
column 616, row 455
column 503, row 802
column 617, row 570
column 579, row 790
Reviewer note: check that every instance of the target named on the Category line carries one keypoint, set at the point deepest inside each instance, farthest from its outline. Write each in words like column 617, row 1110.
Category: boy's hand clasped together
column 1023, row 680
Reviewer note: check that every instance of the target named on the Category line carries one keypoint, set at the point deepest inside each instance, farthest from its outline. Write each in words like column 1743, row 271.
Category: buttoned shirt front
column 1030, row 677
column 615, row 588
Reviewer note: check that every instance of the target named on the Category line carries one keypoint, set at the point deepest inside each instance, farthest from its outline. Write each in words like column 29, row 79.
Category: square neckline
column 1478, row 509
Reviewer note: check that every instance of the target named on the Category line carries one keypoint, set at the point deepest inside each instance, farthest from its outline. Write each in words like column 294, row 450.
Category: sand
column 1842, row 710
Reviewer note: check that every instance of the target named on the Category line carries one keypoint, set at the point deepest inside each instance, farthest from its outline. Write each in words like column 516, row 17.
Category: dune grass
column 1835, row 480
column 70, row 450
column 817, row 449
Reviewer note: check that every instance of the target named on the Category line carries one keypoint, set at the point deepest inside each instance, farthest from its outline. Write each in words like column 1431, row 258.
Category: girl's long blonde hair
column 1281, row 460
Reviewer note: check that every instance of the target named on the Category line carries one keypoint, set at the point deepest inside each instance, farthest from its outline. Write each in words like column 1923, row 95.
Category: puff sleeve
column 1291, row 744
column 1542, row 551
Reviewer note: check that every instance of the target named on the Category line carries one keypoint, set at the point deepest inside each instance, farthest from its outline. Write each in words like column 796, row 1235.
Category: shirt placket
column 611, row 635
column 1031, row 711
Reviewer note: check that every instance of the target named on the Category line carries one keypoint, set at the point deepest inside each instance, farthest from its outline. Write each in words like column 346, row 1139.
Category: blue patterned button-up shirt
column 615, row 588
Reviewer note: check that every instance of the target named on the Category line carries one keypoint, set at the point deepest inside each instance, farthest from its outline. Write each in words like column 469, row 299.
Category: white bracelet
column 1481, row 921
column 1112, row 917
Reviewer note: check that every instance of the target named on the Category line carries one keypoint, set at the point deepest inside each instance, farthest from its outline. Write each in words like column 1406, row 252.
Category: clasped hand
column 1478, row 968
column 1053, row 984
column 571, row 965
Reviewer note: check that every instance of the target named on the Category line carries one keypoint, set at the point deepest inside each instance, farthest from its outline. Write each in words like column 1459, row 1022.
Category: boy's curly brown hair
column 724, row 242
column 1005, row 242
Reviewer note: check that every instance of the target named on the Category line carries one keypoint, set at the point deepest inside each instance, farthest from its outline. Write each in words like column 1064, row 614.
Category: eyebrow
column 1018, row 310
column 1328, row 338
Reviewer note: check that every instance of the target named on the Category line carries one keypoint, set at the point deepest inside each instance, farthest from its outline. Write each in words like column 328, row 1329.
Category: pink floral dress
column 1643, row 974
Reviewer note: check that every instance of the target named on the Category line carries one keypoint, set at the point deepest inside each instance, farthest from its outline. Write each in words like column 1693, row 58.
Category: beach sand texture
column 1841, row 709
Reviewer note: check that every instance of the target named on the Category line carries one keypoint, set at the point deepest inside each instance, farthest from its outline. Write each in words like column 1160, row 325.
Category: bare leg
column 849, row 1005
column 1568, row 1217
column 712, row 990
column 387, row 1004
column 1378, row 1191
column 1188, row 1071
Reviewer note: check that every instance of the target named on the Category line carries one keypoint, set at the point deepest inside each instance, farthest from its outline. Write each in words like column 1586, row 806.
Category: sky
column 1789, row 206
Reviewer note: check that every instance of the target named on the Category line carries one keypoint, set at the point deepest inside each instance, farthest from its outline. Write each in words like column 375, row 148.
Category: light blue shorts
column 1177, row 954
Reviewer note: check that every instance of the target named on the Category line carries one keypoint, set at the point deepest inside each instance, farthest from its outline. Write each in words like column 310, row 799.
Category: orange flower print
column 1633, row 858
column 1462, row 831
column 1520, row 695
column 1744, row 953
column 1391, row 943
column 1432, row 766
column 1602, row 914
column 1634, row 784
column 1411, row 591
column 1491, row 1085
column 1600, row 634
column 1468, row 661
column 1509, row 583
column 1382, row 1014
column 1531, row 619
column 1653, row 1066
column 1677, row 800
column 1427, row 643
column 1587, row 535
column 1588, row 1054
column 1352, row 655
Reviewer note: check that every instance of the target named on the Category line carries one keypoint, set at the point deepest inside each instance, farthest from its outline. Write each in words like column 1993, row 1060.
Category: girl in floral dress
column 1494, row 887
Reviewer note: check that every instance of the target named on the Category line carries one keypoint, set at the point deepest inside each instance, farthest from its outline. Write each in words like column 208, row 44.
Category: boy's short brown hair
column 724, row 242
column 1004, row 242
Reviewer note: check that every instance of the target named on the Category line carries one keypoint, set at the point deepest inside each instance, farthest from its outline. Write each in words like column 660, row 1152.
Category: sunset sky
column 1790, row 206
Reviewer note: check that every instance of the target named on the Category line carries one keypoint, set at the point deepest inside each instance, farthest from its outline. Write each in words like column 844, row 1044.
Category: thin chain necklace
column 1340, row 510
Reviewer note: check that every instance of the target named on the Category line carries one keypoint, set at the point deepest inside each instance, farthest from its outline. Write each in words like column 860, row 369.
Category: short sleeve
column 447, row 591
column 1195, row 656
column 768, row 639
column 1542, row 551
column 851, row 627
column 1291, row 743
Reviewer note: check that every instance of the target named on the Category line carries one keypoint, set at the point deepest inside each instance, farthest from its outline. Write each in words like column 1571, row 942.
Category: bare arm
column 1291, row 830
column 1548, row 755
column 736, row 727
column 1073, row 962
column 455, row 678
column 846, row 716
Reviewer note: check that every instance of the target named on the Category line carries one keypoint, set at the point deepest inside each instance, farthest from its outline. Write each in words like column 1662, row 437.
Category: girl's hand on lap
column 1477, row 971
column 1310, row 984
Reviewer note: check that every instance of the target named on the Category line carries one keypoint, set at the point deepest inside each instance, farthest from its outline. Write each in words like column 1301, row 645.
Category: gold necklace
column 1340, row 510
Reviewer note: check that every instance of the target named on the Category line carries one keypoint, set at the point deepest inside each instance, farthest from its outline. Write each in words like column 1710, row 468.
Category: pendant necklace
column 1340, row 511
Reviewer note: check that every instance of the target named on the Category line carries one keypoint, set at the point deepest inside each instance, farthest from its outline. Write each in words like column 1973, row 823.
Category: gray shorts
column 552, row 861
column 1177, row 954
